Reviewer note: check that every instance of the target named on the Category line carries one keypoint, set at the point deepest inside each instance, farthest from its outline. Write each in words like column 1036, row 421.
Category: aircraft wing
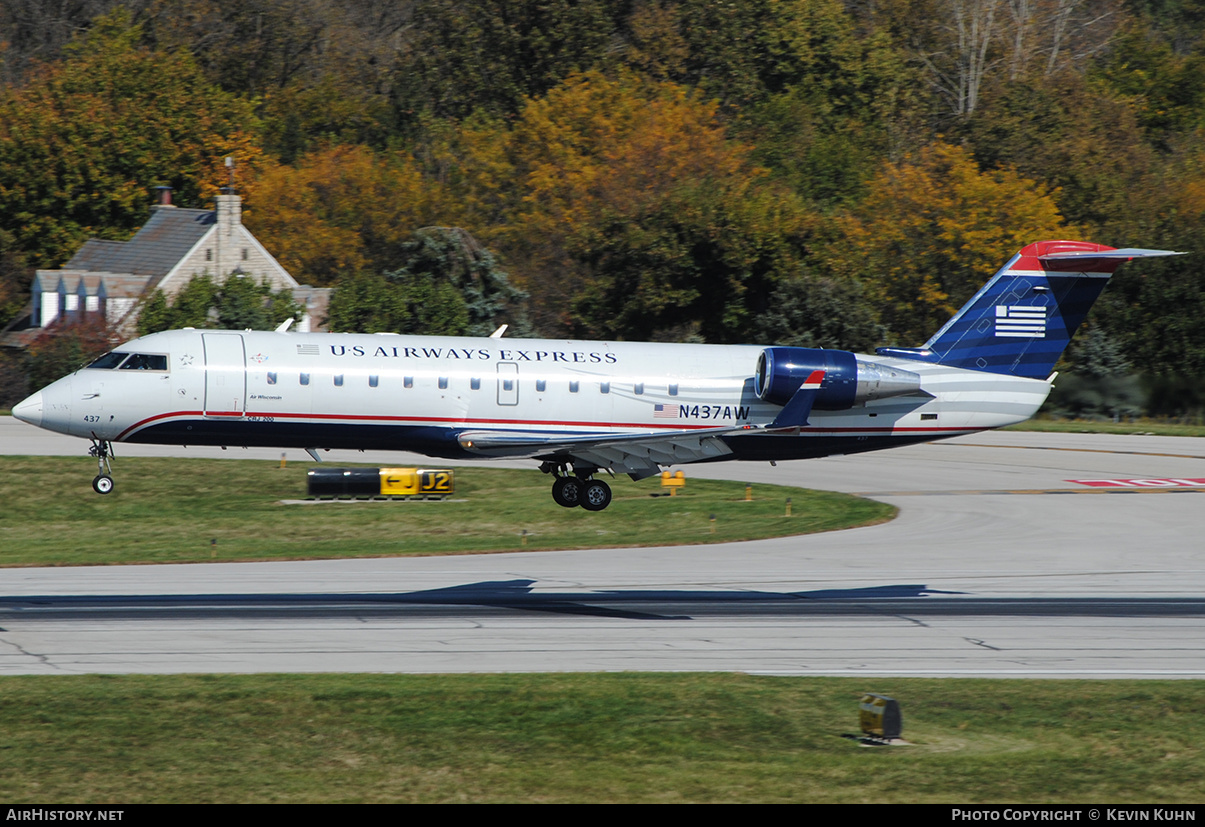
column 637, row 455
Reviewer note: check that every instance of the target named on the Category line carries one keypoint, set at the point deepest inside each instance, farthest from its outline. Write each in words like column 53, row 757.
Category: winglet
column 796, row 412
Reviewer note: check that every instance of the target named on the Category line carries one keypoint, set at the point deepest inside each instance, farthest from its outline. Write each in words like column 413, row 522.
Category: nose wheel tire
column 567, row 492
column 596, row 496
column 102, row 484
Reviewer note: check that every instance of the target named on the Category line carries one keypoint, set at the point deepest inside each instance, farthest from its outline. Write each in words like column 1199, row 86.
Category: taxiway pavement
column 998, row 565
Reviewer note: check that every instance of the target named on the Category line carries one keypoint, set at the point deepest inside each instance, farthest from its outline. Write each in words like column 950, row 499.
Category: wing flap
column 638, row 455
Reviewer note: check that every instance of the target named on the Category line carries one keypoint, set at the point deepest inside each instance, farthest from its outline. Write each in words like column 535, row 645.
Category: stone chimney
column 228, row 215
column 229, row 212
column 228, row 206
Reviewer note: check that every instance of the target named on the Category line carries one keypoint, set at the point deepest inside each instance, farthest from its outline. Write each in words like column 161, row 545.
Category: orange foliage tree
column 933, row 228
column 83, row 144
column 341, row 210
column 626, row 210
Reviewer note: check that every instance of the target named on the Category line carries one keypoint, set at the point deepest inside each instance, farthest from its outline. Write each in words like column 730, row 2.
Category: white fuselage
column 422, row 393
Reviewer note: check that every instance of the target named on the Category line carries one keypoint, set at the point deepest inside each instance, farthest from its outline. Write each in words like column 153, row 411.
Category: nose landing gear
column 102, row 449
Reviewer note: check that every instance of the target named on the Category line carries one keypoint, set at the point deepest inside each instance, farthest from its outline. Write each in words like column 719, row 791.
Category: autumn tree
column 319, row 72
column 342, row 210
column 959, row 43
column 82, row 145
column 850, row 97
column 1165, row 86
column 1085, row 145
column 932, row 229
column 629, row 211
column 745, row 53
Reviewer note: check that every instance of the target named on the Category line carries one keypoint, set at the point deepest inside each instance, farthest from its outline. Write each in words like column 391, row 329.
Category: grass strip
column 589, row 737
column 192, row 510
column 1143, row 427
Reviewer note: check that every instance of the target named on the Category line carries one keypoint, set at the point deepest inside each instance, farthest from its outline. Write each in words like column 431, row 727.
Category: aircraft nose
column 30, row 410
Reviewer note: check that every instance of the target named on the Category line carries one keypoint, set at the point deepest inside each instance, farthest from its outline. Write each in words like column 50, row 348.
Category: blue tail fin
column 1020, row 322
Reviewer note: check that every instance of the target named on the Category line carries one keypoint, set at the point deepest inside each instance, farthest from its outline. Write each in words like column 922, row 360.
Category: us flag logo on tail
column 1019, row 320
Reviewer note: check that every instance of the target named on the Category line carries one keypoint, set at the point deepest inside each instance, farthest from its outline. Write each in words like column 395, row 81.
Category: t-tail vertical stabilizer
column 1022, row 320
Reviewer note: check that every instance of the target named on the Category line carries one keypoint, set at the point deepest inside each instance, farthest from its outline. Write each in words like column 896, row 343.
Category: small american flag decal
column 1018, row 320
column 665, row 412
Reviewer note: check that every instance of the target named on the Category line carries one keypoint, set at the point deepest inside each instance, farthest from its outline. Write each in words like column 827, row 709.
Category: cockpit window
column 108, row 361
column 145, row 361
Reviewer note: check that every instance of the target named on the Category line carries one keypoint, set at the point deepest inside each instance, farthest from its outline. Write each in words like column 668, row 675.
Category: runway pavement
column 998, row 565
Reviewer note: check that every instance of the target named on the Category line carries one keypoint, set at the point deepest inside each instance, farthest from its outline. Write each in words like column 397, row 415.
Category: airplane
column 582, row 407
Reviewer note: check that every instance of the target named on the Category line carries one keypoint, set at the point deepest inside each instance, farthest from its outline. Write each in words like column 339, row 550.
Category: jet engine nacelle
column 847, row 380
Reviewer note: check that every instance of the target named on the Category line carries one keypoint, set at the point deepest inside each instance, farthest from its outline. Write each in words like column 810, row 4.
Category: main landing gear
column 570, row 490
column 102, row 449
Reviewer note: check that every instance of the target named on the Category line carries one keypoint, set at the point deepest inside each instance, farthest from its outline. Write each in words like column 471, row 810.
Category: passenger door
column 225, row 375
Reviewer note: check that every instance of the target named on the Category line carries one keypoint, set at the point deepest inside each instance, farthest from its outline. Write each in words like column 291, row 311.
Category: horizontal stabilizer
column 1125, row 253
column 1096, row 260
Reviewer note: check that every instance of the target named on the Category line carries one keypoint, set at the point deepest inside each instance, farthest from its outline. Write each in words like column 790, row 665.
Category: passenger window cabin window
column 541, row 385
column 508, row 384
column 271, row 378
column 573, row 387
column 604, row 387
column 673, row 390
column 338, row 380
column 638, row 388
column 475, row 383
column 373, row 380
column 305, row 379
column 443, row 383
column 408, row 382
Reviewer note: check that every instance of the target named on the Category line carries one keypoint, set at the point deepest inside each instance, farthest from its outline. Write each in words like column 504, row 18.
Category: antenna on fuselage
column 285, row 325
column 497, row 334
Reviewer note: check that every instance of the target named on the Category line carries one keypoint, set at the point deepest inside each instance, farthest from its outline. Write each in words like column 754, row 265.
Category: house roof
column 154, row 250
column 112, row 285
